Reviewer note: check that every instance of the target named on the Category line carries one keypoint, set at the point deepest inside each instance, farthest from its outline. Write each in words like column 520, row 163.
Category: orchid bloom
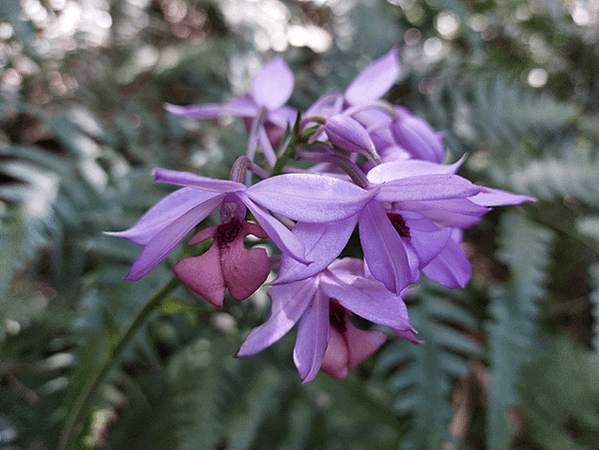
column 303, row 197
column 405, row 226
column 326, row 339
column 271, row 87
column 227, row 264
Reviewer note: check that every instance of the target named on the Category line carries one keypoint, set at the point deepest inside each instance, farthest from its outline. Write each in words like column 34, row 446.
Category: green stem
column 94, row 382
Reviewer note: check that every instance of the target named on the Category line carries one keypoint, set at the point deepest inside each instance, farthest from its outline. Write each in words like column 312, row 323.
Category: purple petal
column 419, row 138
column 272, row 85
column 191, row 179
column 427, row 239
column 450, row 267
column 323, row 243
column 309, row 197
column 288, row 304
column 369, row 299
column 312, row 338
column 205, row 111
column 347, row 134
column 281, row 235
column 164, row 213
column 395, row 170
column 375, row 80
column 456, row 212
column 427, row 187
column 243, row 106
column 497, row 197
column 169, row 237
column 267, row 150
column 384, row 252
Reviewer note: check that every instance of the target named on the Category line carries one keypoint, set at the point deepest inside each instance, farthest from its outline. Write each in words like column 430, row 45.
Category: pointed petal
column 202, row 274
column 312, row 338
column 205, row 111
column 394, row 170
column 375, row 80
column 288, row 304
column 244, row 106
column 163, row 214
column 450, row 267
column 323, row 243
column 267, row 150
column 427, row 239
column 367, row 298
column 168, row 238
column 272, row 84
column 383, row 250
column 456, row 212
column 427, row 187
column 283, row 237
column 197, row 181
column 309, row 197
column 497, row 197
column 418, row 137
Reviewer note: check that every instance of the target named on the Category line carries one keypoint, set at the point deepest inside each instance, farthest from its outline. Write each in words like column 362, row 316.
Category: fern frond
column 513, row 332
column 421, row 376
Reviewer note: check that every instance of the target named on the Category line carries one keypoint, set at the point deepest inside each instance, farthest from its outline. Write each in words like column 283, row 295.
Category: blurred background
column 510, row 362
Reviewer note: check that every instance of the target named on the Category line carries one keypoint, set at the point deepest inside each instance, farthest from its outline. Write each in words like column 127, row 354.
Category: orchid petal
column 203, row 275
column 367, row 298
column 375, row 80
column 427, row 187
column 497, row 197
column 243, row 106
column 267, row 150
column 362, row 343
column 288, row 304
column 323, row 243
column 281, row 235
column 309, row 197
column 205, row 111
column 167, row 239
column 197, row 181
column 456, row 212
column 450, row 267
column 395, row 170
column 163, row 213
column 427, row 239
column 383, row 250
column 336, row 355
column 272, row 84
column 244, row 270
column 312, row 338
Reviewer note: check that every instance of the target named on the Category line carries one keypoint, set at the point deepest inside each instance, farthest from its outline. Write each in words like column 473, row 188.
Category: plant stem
column 69, row 431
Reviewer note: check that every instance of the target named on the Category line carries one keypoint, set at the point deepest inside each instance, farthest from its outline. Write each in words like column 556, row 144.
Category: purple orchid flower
column 303, row 197
column 227, row 264
column 271, row 87
column 326, row 339
column 406, row 227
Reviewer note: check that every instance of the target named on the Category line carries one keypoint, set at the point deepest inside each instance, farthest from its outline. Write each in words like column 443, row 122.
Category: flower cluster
column 375, row 165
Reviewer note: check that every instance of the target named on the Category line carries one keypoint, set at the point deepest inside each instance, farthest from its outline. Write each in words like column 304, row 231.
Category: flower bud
column 347, row 134
column 417, row 137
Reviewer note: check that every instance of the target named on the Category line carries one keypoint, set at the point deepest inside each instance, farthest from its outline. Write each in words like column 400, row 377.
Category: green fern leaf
column 524, row 248
column 422, row 375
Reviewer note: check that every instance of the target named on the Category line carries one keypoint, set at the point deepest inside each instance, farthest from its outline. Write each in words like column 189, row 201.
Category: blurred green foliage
column 511, row 362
